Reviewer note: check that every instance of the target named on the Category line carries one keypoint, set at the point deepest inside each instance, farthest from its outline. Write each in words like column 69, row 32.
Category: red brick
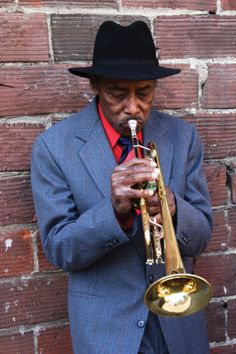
column 232, row 226
column 16, row 201
column 220, row 87
column 17, row 344
column 228, row 5
column 44, row 265
column 227, row 349
column 51, row 88
column 216, row 179
column 195, row 36
column 70, row 3
column 42, row 89
column 15, row 145
column 56, row 340
column 215, row 313
column 232, row 181
column 16, row 252
column 232, row 318
column 23, row 37
column 208, row 5
column 32, row 301
column 219, row 270
column 219, row 240
column 178, row 91
column 218, row 134
column 73, row 35
column 6, row 2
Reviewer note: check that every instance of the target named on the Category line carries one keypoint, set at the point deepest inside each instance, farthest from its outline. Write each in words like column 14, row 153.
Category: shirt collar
column 111, row 133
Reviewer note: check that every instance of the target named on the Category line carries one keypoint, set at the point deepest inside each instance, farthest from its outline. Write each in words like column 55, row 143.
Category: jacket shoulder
column 67, row 127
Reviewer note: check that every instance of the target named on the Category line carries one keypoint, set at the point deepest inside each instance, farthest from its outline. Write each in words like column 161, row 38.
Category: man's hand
column 154, row 206
column 123, row 180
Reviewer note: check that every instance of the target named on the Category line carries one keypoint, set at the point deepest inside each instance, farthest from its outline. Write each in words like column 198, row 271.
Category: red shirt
column 113, row 138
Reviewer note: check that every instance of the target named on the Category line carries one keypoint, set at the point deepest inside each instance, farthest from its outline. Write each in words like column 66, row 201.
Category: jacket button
column 141, row 324
column 185, row 237
column 151, row 278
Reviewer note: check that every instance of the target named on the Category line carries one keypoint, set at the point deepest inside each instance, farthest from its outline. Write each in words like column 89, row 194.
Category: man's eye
column 119, row 95
column 142, row 95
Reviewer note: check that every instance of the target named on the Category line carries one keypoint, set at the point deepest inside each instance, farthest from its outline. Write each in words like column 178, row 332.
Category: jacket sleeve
column 194, row 213
column 71, row 241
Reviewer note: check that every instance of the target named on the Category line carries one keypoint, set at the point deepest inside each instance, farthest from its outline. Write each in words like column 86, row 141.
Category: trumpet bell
column 178, row 295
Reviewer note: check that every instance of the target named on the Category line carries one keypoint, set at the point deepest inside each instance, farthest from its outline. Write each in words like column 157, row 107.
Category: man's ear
column 93, row 84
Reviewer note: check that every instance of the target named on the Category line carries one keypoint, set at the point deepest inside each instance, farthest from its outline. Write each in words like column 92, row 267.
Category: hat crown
column 116, row 44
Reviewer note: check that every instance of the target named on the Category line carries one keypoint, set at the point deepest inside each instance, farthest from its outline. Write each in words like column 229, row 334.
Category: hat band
column 102, row 62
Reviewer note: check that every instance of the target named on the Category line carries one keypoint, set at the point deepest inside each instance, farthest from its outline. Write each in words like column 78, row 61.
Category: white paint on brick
column 22, row 330
column 7, row 306
column 8, row 244
column 218, row 7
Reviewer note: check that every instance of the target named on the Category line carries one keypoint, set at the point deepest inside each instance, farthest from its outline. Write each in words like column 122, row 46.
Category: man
column 84, row 191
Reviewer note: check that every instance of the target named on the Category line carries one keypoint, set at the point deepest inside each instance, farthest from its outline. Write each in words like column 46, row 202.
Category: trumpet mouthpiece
column 132, row 124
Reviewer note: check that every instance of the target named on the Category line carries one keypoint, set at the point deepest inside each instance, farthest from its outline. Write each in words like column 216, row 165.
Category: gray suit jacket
column 71, row 168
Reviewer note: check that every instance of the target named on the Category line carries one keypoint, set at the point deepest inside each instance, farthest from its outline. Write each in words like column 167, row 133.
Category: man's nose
column 132, row 107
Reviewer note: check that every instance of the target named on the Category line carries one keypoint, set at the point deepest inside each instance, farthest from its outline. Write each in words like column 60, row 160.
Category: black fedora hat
column 124, row 52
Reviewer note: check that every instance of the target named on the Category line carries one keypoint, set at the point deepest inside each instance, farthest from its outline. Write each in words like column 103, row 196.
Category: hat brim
column 128, row 72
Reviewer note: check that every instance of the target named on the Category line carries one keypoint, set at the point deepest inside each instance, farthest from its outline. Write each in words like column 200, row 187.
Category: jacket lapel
column 96, row 152
column 156, row 130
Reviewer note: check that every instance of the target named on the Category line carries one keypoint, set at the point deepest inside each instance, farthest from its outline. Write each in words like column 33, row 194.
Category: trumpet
column 177, row 294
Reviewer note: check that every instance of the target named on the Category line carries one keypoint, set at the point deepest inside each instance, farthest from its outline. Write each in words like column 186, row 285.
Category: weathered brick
column 4, row 3
column 42, row 89
column 55, row 340
column 178, row 91
column 227, row 349
column 32, row 301
column 23, row 37
column 220, row 87
column 232, row 226
column 16, row 252
column 219, row 240
column 195, row 36
column 215, row 313
column 73, row 35
column 16, row 201
column 228, row 5
column 232, row 179
column 219, row 270
column 17, row 344
column 208, row 5
column 51, row 88
column 232, row 318
column 70, row 3
column 218, row 134
column 216, row 179
column 16, row 141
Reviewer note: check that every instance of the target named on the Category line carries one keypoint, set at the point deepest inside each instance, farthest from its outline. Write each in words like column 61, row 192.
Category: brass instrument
column 177, row 294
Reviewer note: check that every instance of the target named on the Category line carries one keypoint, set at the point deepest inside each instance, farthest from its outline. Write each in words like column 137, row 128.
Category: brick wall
column 38, row 41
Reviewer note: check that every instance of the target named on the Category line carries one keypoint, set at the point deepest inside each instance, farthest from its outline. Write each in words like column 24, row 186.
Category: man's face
column 122, row 100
